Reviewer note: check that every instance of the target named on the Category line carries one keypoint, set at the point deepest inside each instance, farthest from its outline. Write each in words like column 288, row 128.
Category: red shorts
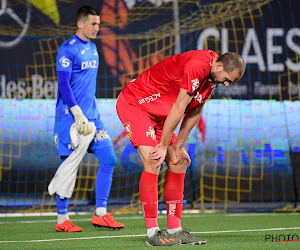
column 142, row 128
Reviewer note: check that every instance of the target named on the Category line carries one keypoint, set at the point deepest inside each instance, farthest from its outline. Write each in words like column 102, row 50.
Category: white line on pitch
column 141, row 217
column 143, row 235
column 83, row 219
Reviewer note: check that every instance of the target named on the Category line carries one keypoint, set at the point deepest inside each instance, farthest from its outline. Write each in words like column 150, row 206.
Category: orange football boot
column 67, row 226
column 106, row 221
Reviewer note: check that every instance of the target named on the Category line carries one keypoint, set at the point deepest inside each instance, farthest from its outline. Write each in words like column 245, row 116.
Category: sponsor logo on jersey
column 151, row 132
column 65, row 62
column 198, row 97
column 82, row 52
column 195, row 84
column 89, row 64
column 150, row 98
column 128, row 130
column 101, row 135
column 72, row 41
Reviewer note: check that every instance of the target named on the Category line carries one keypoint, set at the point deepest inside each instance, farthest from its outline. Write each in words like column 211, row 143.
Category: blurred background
column 245, row 151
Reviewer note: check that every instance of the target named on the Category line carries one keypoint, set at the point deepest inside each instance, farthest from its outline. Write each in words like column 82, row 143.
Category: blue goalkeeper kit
column 77, row 64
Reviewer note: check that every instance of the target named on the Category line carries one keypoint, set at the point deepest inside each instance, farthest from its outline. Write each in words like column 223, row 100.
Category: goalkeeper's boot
column 187, row 238
column 106, row 221
column 162, row 239
column 67, row 226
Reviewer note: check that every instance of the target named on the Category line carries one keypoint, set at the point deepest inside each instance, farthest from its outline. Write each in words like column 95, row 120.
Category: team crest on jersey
column 195, row 84
column 65, row 62
column 128, row 130
column 151, row 132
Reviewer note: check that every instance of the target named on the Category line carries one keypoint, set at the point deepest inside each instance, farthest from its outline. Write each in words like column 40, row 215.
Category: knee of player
column 179, row 167
column 106, row 157
column 111, row 160
column 151, row 166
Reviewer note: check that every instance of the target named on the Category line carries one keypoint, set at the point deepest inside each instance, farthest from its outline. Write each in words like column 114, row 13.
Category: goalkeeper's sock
column 103, row 184
column 149, row 198
column 61, row 218
column 103, row 181
column 101, row 211
column 62, row 209
column 173, row 189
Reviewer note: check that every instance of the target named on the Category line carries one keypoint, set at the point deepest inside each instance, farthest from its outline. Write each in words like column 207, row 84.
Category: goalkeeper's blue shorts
column 63, row 141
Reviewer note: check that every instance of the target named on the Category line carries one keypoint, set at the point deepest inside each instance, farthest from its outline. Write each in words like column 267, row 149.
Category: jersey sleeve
column 195, row 73
column 64, row 59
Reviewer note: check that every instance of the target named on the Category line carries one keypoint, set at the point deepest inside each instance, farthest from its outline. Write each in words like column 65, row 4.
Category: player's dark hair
column 232, row 61
column 84, row 11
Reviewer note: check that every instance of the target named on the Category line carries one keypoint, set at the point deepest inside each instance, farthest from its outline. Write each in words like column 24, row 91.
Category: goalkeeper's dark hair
column 232, row 61
column 84, row 11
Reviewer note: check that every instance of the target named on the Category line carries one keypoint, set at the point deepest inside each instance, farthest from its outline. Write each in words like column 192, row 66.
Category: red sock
column 174, row 186
column 149, row 198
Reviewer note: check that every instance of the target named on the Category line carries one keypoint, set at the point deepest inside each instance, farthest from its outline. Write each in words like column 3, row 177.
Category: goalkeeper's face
column 88, row 27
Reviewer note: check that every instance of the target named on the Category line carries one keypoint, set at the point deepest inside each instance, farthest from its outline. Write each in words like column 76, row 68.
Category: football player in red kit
column 150, row 108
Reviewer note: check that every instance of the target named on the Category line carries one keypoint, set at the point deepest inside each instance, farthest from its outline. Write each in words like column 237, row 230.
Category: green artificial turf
column 222, row 231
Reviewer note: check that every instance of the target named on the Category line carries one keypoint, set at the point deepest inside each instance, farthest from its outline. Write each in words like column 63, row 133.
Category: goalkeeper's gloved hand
column 82, row 123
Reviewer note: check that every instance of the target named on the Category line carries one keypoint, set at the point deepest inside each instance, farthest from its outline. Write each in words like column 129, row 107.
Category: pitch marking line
column 143, row 235
column 130, row 218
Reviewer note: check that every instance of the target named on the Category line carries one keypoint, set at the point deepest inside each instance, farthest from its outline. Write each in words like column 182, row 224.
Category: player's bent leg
column 149, row 197
column 174, row 187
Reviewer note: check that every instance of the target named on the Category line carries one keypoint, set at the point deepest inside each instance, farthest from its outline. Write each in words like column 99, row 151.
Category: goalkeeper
column 77, row 64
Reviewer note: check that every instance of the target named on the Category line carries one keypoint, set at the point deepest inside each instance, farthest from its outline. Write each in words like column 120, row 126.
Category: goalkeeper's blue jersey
column 82, row 60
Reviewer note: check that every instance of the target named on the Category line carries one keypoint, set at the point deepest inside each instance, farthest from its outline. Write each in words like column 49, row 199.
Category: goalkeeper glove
column 82, row 123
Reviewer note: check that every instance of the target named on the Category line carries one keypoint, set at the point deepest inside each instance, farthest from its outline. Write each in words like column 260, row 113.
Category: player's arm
column 172, row 121
column 187, row 125
column 63, row 80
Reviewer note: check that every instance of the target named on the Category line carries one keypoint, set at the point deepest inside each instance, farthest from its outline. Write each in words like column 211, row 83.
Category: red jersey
column 157, row 88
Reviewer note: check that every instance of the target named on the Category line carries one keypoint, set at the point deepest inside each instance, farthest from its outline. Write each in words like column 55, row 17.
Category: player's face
column 219, row 75
column 89, row 27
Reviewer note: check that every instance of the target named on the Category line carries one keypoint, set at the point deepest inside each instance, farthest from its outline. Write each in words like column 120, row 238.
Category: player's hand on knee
column 158, row 153
column 82, row 123
column 181, row 156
